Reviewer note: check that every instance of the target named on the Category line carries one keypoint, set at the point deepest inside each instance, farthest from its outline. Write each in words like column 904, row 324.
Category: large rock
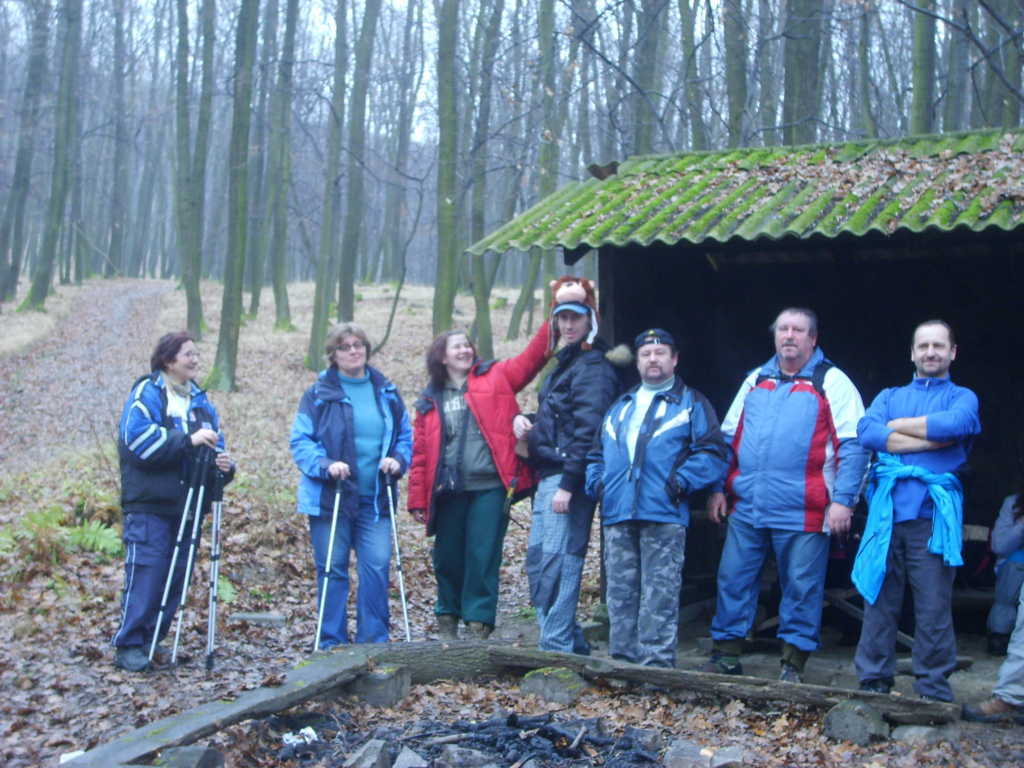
column 683, row 753
column 373, row 754
column 454, row 756
column 407, row 758
column 926, row 734
column 645, row 738
column 855, row 721
column 730, row 757
column 383, row 686
column 555, row 684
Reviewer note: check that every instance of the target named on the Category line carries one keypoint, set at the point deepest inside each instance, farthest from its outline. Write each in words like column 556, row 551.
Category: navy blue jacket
column 154, row 449
column 679, row 450
column 323, row 432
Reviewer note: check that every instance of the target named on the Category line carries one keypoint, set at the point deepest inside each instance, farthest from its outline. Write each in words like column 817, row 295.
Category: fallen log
column 896, row 709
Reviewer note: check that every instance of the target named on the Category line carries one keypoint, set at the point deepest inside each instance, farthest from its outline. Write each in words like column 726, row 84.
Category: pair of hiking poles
column 390, row 485
column 196, row 494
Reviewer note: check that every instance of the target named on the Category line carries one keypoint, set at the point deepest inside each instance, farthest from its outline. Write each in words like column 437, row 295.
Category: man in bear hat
column 571, row 403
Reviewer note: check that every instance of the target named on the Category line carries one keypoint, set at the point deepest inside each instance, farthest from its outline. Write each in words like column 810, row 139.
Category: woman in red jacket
column 463, row 466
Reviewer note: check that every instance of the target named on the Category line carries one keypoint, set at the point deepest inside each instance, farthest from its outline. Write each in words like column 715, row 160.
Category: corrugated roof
column 973, row 180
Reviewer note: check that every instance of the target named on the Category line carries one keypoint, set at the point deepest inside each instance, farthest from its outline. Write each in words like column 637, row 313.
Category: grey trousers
column 644, row 563
column 931, row 581
column 1010, row 687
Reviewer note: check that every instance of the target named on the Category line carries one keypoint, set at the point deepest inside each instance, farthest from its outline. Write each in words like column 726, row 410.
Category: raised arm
column 521, row 369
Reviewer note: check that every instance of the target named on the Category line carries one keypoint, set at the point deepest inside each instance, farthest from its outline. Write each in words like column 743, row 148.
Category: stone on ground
column 683, row 753
column 926, row 734
column 383, row 686
column 373, row 754
column 555, row 684
column 855, row 721
column 407, row 758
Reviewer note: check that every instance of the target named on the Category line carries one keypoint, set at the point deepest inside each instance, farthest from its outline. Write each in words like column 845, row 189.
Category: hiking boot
column 790, row 674
column 994, row 710
column 883, row 685
column 132, row 659
column 448, row 627
column 723, row 664
column 478, row 630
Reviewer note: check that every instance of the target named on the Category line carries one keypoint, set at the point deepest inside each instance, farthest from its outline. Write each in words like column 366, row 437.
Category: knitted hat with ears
column 574, row 294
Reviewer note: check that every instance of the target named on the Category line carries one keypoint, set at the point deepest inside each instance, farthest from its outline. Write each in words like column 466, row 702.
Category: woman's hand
column 390, row 466
column 205, row 437
column 419, row 515
column 223, row 462
column 521, row 426
column 339, row 470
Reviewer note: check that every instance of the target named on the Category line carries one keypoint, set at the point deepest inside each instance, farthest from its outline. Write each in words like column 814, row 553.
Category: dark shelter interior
column 869, row 293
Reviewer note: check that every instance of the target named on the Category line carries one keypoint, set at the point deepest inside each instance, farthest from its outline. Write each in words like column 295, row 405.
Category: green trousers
column 467, row 553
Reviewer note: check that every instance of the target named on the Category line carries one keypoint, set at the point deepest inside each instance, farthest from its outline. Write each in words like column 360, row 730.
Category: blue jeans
column 554, row 565
column 370, row 537
column 802, row 558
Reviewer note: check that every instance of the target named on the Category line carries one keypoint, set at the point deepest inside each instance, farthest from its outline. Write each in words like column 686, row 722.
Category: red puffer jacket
column 491, row 396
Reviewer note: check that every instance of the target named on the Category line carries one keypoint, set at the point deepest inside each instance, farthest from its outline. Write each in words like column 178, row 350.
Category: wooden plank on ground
column 897, row 709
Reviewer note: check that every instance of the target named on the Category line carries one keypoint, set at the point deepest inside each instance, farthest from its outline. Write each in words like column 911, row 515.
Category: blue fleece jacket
column 952, row 416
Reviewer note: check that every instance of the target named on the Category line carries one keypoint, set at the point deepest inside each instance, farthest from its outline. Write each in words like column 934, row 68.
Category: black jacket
column 572, row 402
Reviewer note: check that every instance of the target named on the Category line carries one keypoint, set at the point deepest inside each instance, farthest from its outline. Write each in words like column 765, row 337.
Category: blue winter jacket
column 154, row 448
column 323, row 432
column 795, row 449
column 679, row 450
column 952, row 414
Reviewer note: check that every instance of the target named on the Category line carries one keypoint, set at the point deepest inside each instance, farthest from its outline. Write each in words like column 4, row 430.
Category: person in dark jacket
column 351, row 435
column 465, row 467
column 167, row 419
column 660, row 442
column 571, row 403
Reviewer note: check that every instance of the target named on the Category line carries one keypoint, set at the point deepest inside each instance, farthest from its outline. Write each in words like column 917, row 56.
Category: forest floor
column 64, row 375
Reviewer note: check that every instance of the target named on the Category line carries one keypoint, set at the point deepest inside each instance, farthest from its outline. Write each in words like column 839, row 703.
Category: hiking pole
column 389, row 482
column 217, row 497
column 193, row 480
column 327, row 567
column 196, row 529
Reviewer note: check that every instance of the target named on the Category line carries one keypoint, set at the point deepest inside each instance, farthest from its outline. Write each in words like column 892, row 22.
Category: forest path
column 64, row 393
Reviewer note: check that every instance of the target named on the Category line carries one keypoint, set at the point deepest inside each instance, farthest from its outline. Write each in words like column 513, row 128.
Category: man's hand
column 205, row 437
column 419, row 515
column 223, row 462
column 339, row 470
column 717, row 507
column 521, row 426
column 898, row 442
column 560, row 502
column 839, row 517
column 390, row 466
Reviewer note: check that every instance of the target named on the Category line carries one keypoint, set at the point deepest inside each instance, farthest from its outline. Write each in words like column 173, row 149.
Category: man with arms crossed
column 922, row 433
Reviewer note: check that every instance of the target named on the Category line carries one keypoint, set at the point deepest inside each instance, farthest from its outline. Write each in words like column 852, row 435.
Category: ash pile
column 510, row 741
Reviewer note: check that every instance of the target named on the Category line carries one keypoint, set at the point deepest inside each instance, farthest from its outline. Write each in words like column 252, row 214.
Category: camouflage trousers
column 644, row 566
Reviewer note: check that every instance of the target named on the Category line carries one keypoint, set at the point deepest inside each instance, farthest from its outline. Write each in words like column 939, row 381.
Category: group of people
column 785, row 469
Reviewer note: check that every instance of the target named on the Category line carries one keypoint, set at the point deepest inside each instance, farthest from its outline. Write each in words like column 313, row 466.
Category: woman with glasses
column 166, row 422
column 351, row 436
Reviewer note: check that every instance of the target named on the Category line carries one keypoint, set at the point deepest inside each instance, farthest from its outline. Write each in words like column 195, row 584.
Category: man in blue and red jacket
column 922, row 433
column 795, row 476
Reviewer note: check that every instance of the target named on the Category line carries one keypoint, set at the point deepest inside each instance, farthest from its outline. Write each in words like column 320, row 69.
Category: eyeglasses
column 357, row 345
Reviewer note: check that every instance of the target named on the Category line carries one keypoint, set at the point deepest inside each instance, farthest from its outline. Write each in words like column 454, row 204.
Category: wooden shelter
column 875, row 236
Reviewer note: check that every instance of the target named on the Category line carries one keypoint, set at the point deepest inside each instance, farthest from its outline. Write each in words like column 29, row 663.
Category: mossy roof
column 972, row 180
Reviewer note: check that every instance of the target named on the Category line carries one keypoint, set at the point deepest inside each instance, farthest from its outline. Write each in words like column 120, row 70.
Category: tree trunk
column 222, row 377
column 734, row 28
column 865, row 121
column 954, row 117
column 694, row 91
column 767, row 73
column 481, row 284
column 922, row 104
column 260, row 206
column 64, row 125
column 280, row 170
column 12, row 231
column 801, row 53
column 355, row 205
column 645, row 112
column 119, row 176
column 332, row 195
column 447, row 142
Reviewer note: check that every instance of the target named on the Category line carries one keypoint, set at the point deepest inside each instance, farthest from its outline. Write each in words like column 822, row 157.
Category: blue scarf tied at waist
column 947, row 495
